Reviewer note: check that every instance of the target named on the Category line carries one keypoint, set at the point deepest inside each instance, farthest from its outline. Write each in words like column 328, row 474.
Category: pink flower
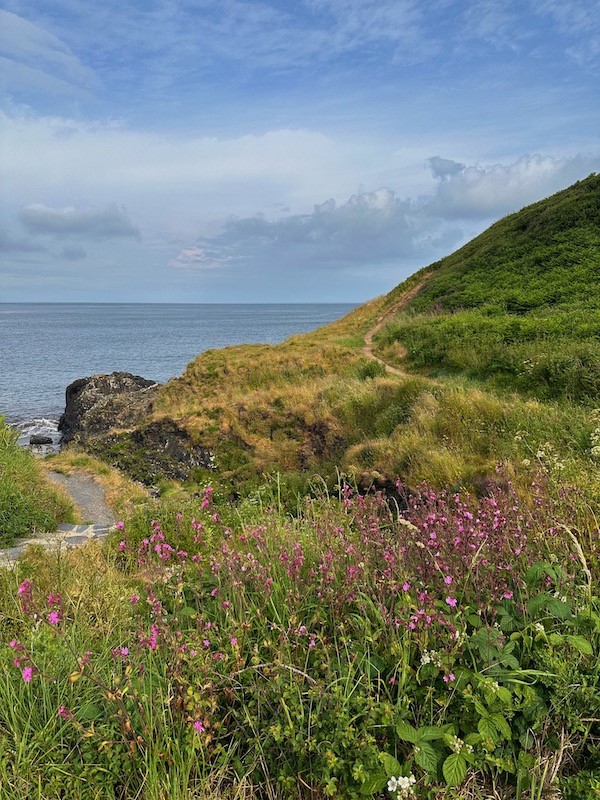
column 448, row 580
column 27, row 674
column 449, row 677
column 135, row 598
column 122, row 545
column 233, row 641
column 64, row 713
column 199, row 726
column 25, row 588
column 54, row 617
column 54, row 599
column 507, row 595
column 120, row 525
column 406, row 587
column 451, row 601
column 124, row 651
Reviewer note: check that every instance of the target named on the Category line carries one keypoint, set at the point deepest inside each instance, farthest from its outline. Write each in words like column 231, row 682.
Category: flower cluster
column 402, row 786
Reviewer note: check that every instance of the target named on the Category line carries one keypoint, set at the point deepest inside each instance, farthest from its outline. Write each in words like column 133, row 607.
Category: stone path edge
column 67, row 536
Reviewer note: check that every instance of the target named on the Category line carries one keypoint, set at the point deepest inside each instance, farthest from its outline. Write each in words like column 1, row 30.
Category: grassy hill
column 235, row 651
column 520, row 304
column 499, row 349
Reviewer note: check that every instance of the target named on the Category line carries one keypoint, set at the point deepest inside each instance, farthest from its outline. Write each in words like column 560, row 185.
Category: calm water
column 44, row 347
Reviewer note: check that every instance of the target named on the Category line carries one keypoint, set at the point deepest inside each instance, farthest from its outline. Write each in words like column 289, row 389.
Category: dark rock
column 100, row 403
column 38, row 439
column 154, row 492
column 158, row 449
column 110, row 416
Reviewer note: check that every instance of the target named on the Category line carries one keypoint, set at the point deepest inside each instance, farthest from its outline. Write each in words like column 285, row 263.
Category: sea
column 46, row 346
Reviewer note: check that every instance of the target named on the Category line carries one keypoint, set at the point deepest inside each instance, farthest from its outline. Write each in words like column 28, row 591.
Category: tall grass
column 28, row 503
column 220, row 652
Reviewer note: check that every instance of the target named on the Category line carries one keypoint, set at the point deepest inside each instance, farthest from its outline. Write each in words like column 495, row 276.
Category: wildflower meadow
column 442, row 647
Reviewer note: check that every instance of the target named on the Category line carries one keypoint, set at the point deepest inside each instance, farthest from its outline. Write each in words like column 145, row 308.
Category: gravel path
column 87, row 495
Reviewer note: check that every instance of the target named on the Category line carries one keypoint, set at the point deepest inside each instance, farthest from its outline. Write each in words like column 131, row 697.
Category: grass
column 28, row 503
column 518, row 307
column 237, row 652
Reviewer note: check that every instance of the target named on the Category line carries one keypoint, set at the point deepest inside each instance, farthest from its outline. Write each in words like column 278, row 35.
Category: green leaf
column 374, row 783
column 504, row 695
column 427, row 757
column 429, row 733
column 555, row 638
column 487, row 729
column 559, row 609
column 390, row 764
column 537, row 603
column 406, row 732
column 88, row 711
column 454, row 769
column 580, row 643
column 536, row 572
column 472, row 739
column 502, row 725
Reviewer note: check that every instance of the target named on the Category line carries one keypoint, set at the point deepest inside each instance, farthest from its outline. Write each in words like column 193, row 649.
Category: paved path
column 89, row 498
column 87, row 494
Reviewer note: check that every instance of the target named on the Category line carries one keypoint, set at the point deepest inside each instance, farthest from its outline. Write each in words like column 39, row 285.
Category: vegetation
column 449, row 652
column 307, row 636
column 519, row 306
column 28, row 503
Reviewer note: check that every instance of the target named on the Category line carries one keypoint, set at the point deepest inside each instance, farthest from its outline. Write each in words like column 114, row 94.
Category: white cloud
column 104, row 223
column 198, row 258
column 378, row 228
column 33, row 58
column 480, row 192
column 444, row 167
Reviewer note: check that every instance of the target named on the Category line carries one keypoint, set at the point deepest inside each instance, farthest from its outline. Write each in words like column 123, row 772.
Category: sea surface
column 46, row 346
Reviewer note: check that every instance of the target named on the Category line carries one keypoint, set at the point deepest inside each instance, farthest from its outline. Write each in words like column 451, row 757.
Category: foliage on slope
column 519, row 304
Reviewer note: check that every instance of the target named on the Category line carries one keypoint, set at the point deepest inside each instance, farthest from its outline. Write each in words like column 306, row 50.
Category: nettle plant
column 350, row 651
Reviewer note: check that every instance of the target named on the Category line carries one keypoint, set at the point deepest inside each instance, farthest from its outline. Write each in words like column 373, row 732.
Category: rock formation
column 110, row 416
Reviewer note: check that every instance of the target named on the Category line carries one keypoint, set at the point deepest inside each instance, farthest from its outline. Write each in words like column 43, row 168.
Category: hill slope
column 520, row 303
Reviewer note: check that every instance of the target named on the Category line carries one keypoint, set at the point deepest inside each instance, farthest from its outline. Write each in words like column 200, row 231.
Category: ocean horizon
column 46, row 346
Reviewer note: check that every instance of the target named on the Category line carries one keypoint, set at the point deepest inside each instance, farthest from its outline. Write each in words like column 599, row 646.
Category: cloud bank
column 375, row 228
column 106, row 223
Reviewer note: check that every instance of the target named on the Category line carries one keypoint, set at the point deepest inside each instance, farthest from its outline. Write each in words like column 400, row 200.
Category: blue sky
column 232, row 150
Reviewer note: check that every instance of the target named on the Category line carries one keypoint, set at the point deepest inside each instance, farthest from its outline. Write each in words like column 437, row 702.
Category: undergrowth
column 449, row 651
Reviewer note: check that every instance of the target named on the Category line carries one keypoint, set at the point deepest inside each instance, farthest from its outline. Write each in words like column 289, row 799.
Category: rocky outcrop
column 110, row 416
column 100, row 403
column 156, row 449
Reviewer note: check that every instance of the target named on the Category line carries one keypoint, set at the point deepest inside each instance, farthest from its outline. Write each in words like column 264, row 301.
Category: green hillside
column 489, row 356
column 520, row 303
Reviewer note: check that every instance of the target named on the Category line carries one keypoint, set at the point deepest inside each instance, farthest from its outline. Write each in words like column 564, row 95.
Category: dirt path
column 381, row 320
column 87, row 495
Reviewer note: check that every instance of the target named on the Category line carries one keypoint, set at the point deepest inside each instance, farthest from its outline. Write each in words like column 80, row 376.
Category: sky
column 281, row 150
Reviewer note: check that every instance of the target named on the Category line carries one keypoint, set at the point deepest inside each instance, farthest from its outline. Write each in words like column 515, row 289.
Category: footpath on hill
column 367, row 349
column 89, row 498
